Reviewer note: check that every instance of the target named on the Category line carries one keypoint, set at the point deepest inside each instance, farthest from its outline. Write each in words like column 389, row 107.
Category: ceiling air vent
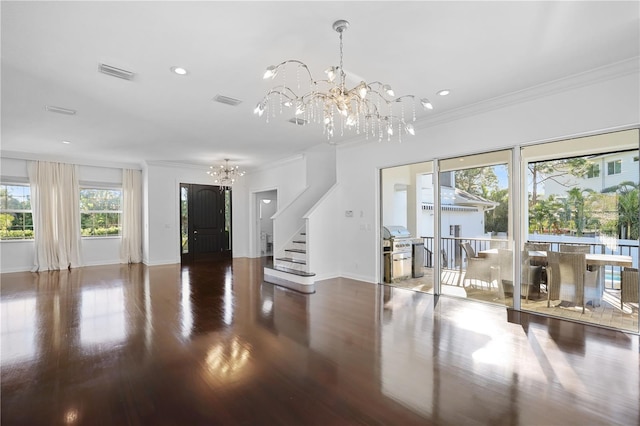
column 60, row 110
column 115, row 72
column 227, row 100
column 298, row 121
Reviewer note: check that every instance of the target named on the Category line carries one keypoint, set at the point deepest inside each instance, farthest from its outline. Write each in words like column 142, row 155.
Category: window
column 16, row 220
column 614, row 167
column 100, row 212
column 593, row 171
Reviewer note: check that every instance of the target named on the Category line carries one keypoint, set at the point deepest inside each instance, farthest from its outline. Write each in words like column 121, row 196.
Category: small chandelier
column 368, row 108
column 224, row 175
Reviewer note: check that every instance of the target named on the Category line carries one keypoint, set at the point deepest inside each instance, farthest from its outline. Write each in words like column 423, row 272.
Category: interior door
column 206, row 222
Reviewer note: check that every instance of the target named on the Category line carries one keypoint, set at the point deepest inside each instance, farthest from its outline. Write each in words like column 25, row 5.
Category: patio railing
column 452, row 255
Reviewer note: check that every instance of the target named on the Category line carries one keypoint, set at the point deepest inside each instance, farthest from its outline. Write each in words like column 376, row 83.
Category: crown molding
column 586, row 78
column 30, row 156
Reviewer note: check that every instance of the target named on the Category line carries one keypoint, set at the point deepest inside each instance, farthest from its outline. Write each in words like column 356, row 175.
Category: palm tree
column 628, row 208
column 577, row 200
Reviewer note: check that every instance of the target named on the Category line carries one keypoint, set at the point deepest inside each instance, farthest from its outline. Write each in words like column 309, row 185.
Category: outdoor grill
column 397, row 246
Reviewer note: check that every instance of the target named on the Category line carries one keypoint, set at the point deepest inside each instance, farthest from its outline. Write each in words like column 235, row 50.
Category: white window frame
column 102, row 187
column 19, row 211
column 616, row 170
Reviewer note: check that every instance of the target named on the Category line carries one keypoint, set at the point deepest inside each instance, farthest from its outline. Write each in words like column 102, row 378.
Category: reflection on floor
column 608, row 314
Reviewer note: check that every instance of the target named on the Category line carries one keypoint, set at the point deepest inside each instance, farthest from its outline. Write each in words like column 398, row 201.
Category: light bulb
column 388, row 90
column 426, row 104
column 351, row 120
column 331, row 73
column 409, row 128
column 270, row 72
column 259, row 109
column 362, row 90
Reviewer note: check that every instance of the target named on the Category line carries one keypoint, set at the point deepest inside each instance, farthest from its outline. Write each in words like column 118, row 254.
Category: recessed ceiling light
column 179, row 70
column 66, row 142
column 444, row 92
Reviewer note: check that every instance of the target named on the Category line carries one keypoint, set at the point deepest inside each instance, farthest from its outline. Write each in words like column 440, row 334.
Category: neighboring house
column 462, row 212
column 605, row 171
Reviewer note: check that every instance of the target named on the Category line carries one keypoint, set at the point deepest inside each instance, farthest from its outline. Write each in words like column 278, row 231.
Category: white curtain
column 55, row 203
column 131, row 249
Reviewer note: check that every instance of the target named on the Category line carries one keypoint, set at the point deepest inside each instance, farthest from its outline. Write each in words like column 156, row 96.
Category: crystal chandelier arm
column 385, row 87
column 273, row 70
column 282, row 90
column 400, row 98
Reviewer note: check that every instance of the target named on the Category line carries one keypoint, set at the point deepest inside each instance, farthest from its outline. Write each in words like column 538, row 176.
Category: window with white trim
column 16, row 219
column 614, row 167
column 100, row 212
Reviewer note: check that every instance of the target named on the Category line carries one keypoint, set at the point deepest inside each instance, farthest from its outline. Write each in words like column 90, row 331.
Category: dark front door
column 206, row 222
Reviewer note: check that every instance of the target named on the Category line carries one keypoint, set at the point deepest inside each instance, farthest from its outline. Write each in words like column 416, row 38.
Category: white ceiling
column 479, row 50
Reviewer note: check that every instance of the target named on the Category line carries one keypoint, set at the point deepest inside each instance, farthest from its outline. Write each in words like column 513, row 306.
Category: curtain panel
column 131, row 248
column 55, row 203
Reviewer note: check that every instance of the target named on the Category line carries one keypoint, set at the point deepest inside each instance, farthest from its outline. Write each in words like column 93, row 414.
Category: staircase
column 291, row 270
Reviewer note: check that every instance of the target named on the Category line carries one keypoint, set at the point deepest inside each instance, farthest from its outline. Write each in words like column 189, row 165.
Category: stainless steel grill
column 397, row 253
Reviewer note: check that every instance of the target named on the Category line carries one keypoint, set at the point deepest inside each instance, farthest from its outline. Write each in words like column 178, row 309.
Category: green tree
column 478, row 181
column 577, row 200
column 497, row 220
column 546, row 215
column 6, row 221
column 628, row 209
column 554, row 170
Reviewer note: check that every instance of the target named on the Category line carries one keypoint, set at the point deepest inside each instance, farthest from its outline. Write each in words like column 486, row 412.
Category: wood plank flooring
column 212, row 344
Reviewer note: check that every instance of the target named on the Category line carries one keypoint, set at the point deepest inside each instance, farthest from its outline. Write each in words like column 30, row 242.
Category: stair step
column 292, row 271
column 296, row 251
column 303, row 233
column 299, row 242
column 292, row 260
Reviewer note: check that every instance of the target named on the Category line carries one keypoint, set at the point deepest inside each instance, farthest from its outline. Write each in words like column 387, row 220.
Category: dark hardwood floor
column 212, row 344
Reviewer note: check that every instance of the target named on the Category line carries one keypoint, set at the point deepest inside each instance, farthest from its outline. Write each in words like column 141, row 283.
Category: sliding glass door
column 476, row 227
column 549, row 228
column 408, row 253
column 583, row 196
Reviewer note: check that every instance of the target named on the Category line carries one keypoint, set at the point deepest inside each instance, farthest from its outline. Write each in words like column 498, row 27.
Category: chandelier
column 225, row 175
column 368, row 108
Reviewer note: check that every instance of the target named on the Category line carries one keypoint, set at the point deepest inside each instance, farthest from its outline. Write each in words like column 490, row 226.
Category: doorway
column 267, row 206
column 205, row 222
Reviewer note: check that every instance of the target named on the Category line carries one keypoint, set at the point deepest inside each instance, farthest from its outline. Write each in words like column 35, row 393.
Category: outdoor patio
column 608, row 314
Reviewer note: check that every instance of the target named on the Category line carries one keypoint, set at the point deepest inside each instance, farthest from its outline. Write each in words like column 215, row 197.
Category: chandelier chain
column 342, row 73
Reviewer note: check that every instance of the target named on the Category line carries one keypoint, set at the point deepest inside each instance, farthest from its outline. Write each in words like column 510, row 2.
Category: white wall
column 300, row 183
column 323, row 256
column 394, row 199
column 162, row 211
column 587, row 108
column 18, row 256
column 287, row 177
